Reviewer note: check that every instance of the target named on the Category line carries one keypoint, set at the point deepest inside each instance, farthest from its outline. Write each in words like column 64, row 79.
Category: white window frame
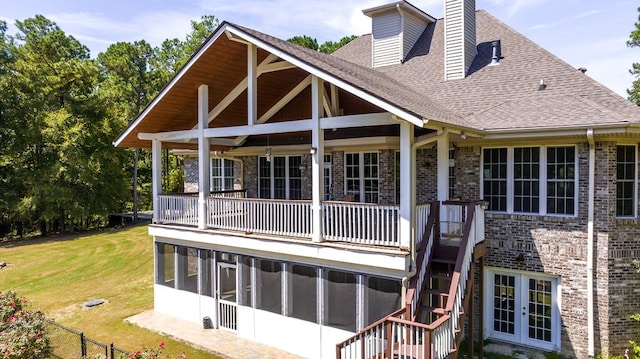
column 521, row 294
column 635, row 181
column 272, row 178
column 361, row 177
column 543, row 178
column 223, row 177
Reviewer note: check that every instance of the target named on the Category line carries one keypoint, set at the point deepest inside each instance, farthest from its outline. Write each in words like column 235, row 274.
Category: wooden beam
column 279, row 105
column 326, row 105
column 233, row 94
column 335, row 100
column 262, row 129
column 369, row 119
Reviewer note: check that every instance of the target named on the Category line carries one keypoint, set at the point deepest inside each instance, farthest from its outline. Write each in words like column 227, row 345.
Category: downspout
column 412, row 244
column 590, row 244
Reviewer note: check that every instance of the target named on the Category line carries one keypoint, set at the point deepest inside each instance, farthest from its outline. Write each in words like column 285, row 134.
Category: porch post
column 407, row 185
column 156, row 177
column 443, row 168
column 204, row 158
column 317, row 158
column 252, row 84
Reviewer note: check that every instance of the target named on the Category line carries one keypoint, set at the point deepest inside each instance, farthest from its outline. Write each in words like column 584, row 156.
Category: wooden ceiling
column 222, row 67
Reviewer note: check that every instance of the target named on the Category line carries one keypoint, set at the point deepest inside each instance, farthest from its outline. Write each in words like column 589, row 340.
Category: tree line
column 60, row 110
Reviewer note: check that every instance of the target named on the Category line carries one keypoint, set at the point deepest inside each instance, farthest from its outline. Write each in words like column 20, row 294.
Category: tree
column 305, row 41
column 64, row 166
column 327, row 47
column 634, row 41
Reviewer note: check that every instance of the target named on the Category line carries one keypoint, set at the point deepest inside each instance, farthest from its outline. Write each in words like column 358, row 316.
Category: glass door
column 522, row 308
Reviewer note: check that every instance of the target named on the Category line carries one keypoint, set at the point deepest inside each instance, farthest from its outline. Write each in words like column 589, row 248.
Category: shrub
column 22, row 332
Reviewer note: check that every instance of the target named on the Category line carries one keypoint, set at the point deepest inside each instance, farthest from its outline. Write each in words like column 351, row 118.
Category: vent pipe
column 495, row 57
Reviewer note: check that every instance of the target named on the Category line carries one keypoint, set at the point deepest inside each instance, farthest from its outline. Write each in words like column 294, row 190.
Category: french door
column 227, row 295
column 523, row 308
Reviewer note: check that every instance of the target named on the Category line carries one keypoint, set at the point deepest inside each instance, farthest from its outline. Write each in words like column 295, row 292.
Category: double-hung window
column 361, row 176
column 280, row 178
column 539, row 180
column 221, row 174
column 626, row 173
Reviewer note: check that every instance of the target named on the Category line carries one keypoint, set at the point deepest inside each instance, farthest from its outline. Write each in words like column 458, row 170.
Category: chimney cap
column 404, row 5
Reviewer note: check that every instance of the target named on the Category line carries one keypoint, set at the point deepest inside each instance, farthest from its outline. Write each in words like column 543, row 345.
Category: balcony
column 347, row 222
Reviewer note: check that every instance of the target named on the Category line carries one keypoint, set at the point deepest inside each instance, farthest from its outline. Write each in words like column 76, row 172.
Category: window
column 187, row 269
column 626, row 181
column 452, row 172
column 269, row 277
column 526, row 173
column 165, row 262
column 206, row 281
column 538, row 180
column 561, row 180
column 280, row 178
column 494, row 172
column 397, row 178
column 361, row 176
column 383, row 298
column 340, row 303
column 327, row 177
column 304, row 298
column 222, row 173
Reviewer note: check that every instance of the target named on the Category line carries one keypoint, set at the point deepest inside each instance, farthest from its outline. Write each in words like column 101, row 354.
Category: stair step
column 439, row 276
column 439, row 311
column 436, row 291
column 443, row 260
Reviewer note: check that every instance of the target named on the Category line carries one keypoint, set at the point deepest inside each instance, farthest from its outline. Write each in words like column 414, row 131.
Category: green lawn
column 58, row 274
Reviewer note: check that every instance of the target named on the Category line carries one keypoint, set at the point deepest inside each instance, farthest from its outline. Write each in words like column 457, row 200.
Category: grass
column 58, row 274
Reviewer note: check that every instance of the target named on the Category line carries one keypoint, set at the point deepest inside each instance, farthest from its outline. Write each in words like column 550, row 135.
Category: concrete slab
column 218, row 342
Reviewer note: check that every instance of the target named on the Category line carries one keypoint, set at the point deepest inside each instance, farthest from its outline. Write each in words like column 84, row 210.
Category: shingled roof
column 506, row 96
column 490, row 99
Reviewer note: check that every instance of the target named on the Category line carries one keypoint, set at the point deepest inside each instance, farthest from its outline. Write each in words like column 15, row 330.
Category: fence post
column 111, row 352
column 83, row 345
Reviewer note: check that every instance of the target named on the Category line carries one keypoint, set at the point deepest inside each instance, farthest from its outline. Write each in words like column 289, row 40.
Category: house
column 435, row 179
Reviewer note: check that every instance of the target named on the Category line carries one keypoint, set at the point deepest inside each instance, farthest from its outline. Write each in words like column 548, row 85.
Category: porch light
column 267, row 153
column 313, row 150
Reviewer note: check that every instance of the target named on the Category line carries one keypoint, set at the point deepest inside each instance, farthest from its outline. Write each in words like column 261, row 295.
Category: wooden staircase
column 431, row 325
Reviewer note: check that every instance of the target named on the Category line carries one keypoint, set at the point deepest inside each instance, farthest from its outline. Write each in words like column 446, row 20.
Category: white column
column 156, row 177
column 252, row 84
column 204, row 158
column 407, row 185
column 317, row 158
column 443, row 167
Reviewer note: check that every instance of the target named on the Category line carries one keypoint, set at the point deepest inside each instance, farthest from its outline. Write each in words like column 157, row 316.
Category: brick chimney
column 459, row 37
column 395, row 29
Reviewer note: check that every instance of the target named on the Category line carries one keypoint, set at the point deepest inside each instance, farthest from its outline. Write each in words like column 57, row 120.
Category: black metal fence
column 71, row 344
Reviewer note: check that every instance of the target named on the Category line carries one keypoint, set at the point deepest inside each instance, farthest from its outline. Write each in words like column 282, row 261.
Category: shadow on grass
column 20, row 242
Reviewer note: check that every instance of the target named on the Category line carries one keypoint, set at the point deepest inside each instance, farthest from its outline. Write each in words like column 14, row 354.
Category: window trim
column 635, row 181
column 543, row 180
column 361, row 171
column 223, row 177
column 287, row 176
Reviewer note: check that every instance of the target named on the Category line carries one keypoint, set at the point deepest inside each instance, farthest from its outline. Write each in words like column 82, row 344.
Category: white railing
column 361, row 223
column 227, row 316
column 422, row 216
column 178, row 209
column 445, row 341
column 422, row 262
column 250, row 215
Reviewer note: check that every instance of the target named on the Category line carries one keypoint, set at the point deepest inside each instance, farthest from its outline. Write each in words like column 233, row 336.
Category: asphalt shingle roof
column 505, row 96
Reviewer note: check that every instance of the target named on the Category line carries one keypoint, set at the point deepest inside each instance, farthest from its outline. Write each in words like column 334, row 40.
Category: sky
column 585, row 33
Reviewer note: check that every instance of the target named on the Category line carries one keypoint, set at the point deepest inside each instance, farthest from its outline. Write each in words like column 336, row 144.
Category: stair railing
column 444, row 342
column 424, row 253
column 398, row 335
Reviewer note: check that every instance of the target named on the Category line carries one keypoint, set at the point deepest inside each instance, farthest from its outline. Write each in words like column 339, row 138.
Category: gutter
column 590, row 245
